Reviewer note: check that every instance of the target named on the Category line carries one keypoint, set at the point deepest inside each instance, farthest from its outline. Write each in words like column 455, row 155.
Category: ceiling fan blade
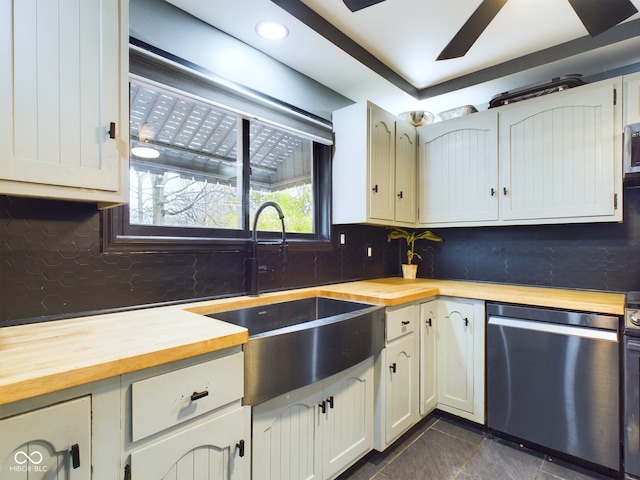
column 471, row 30
column 355, row 5
column 598, row 16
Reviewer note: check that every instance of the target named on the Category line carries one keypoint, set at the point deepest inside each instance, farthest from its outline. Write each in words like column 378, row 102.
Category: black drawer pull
column 375, row 188
column 400, row 195
column 323, row 406
column 429, row 322
column 112, row 130
column 330, row 401
column 406, row 322
column 198, row 395
column 393, row 367
column 75, row 456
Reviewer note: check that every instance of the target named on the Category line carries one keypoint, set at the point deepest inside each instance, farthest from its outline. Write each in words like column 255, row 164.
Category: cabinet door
column 381, row 164
column 458, row 170
column 405, row 171
column 631, row 98
column 348, row 419
column 560, row 156
column 216, row 449
column 59, row 94
column 401, row 388
column 286, row 442
column 455, row 354
column 428, row 362
column 39, row 444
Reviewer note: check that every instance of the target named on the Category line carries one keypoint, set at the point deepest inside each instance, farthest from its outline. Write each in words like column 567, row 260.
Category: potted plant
column 409, row 270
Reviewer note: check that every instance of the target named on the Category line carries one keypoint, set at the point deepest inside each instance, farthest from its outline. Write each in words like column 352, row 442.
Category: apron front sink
column 299, row 342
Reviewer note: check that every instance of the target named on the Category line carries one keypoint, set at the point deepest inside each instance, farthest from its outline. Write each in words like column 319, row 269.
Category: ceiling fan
column 596, row 15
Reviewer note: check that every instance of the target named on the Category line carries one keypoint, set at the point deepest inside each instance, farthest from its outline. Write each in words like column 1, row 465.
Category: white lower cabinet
column 452, row 352
column 68, row 434
column 52, row 442
column 428, row 357
column 397, row 377
column 217, row 448
column 317, row 431
column 185, row 420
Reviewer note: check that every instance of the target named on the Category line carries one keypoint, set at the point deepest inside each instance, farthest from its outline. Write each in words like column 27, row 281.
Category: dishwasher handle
column 566, row 317
column 632, row 345
column 559, row 329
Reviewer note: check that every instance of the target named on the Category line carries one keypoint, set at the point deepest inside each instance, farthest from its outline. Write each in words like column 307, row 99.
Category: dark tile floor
column 440, row 448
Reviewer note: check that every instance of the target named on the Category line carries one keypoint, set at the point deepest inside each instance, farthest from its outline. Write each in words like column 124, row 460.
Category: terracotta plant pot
column 409, row 271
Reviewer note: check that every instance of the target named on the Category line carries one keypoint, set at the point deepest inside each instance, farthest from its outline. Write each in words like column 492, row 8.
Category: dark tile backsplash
column 602, row 256
column 51, row 265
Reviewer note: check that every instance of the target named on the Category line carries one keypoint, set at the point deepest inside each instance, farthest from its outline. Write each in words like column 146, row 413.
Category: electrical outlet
column 369, row 251
column 343, row 238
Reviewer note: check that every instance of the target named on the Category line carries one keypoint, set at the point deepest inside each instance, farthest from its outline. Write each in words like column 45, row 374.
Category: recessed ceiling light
column 271, row 30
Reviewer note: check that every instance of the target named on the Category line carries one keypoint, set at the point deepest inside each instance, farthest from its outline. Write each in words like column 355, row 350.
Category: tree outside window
column 195, row 179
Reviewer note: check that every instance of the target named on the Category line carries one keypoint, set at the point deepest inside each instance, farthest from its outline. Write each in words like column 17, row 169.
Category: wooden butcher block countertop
column 395, row 291
column 45, row 357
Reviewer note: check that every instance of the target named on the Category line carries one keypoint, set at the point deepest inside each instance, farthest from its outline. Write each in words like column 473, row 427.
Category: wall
column 603, row 256
column 51, row 265
column 172, row 30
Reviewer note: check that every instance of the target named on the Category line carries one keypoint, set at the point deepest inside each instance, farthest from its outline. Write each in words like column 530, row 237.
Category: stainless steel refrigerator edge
column 553, row 379
column 632, row 386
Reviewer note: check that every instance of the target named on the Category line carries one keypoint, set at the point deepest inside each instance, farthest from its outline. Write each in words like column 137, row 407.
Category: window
column 199, row 171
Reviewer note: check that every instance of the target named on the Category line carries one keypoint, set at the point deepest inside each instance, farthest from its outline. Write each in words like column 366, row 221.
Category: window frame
column 119, row 235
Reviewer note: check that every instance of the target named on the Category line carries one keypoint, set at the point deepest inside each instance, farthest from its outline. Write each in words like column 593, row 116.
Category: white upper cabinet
column 381, row 151
column 560, row 157
column 552, row 159
column 64, row 99
column 458, row 170
column 373, row 167
column 405, row 173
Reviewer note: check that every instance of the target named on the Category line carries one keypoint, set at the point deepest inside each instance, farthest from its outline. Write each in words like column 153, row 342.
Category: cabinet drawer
column 165, row 400
column 400, row 322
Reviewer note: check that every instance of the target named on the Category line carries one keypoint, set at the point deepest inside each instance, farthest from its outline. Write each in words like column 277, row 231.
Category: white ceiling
column 408, row 35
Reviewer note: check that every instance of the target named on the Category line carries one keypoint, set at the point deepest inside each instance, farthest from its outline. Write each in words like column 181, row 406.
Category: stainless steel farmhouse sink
column 298, row 342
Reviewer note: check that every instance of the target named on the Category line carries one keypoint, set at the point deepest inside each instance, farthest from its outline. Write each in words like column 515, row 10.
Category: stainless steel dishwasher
column 553, row 380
